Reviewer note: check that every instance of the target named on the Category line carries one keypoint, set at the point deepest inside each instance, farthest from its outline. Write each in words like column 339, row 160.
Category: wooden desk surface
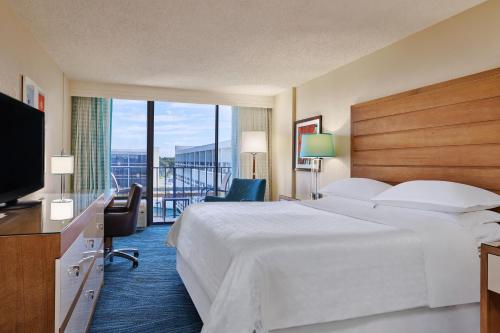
column 37, row 220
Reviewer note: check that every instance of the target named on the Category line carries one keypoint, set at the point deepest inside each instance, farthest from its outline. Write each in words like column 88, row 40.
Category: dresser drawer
column 95, row 229
column 80, row 316
column 96, row 276
column 93, row 236
column 494, row 273
column 71, row 270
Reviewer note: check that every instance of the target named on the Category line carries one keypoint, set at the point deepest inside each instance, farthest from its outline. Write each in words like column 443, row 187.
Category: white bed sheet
column 267, row 266
column 463, row 318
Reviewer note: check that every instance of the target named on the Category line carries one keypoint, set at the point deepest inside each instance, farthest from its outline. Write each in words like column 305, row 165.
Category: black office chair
column 121, row 221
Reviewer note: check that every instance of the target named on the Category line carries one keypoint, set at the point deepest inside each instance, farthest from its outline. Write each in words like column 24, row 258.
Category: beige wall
column 282, row 145
column 125, row 91
column 21, row 54
column 464, row 44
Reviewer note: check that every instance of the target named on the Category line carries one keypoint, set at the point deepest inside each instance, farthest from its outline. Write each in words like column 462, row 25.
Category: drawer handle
column 100, row 226
column 100, row 268
column 85, row 259
column 90, row 243
column 74, row 271
column 90, row 294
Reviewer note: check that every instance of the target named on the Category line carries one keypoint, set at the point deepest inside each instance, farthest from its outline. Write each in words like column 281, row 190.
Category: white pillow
column 471, row 220
column 334, row 202
column 486, row 233
column 355, row 188
column 439, row 196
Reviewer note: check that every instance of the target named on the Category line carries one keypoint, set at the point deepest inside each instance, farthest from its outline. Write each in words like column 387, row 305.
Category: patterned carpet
column 148, row 299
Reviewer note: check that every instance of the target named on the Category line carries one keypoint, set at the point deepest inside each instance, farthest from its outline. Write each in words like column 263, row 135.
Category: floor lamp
column 316, row 147
column 253, row 142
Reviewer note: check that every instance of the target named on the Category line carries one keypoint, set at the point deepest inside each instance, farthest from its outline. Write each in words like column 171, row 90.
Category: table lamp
column 316, row 147
column 253, row 142
column 62, row 165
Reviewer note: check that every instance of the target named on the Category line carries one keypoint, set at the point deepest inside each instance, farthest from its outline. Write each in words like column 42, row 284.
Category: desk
column 174, row 204
column 51, row 271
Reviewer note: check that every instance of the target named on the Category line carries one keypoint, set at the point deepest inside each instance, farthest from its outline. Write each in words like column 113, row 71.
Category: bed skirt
column 451, row 319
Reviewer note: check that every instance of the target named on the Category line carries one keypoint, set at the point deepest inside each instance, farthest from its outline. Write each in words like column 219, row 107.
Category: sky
column 180, row 124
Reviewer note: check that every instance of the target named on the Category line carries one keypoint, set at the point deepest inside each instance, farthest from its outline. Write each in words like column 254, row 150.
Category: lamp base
column 315, row 169
column 316, row 196
column 253, row 165
column 62, row 201
column 61, row 209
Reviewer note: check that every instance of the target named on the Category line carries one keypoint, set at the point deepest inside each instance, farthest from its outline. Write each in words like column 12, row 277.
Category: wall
column 21, row 55
column 124, row 91
column 464, row 44
column 282, row 144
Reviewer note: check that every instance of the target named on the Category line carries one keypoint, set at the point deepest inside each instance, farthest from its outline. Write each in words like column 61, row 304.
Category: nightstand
column 490, row 287
column 287, row 198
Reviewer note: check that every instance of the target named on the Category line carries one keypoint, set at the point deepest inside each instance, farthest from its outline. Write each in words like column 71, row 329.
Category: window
column 184, row 152
column 128, row 144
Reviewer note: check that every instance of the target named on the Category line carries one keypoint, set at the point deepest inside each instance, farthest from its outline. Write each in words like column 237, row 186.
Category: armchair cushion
column 243, row 190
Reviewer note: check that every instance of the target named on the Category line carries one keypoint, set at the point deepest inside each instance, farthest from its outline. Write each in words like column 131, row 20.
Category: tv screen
column 22, row 130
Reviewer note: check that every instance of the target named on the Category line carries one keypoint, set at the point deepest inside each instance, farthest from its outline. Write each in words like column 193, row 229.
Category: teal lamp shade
column 317, row 145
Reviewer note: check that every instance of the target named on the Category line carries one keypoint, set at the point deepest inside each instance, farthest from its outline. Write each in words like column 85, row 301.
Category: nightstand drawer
column 494, row 273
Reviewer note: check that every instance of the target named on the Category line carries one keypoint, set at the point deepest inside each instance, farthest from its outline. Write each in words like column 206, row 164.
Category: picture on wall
column 32, row 94
column 305, row 126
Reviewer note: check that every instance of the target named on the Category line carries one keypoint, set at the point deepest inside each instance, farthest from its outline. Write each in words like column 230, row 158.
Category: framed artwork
column 32, row 94
column 304, row 126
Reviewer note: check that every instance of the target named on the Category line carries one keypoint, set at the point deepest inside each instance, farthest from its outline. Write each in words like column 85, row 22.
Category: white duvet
column 274, row 265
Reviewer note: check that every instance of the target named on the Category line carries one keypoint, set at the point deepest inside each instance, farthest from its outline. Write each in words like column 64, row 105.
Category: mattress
column 269, row 266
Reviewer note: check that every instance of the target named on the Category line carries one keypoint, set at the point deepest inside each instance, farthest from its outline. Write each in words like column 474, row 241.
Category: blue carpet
column 150, row 298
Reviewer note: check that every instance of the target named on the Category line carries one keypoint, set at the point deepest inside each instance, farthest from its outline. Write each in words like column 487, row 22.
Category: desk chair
column 121, row 221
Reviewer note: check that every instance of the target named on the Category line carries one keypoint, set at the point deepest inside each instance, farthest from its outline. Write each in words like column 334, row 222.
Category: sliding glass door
column 179, row 152
column 184, row 136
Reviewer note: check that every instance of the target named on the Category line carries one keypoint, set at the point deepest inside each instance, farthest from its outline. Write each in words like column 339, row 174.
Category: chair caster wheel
column 136, row 254
column 135, row 264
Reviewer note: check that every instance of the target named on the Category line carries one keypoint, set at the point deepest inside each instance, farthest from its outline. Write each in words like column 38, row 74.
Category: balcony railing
column 173, row 187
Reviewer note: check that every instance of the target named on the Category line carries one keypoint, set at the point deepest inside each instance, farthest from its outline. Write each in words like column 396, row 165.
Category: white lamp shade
column 61, row 209
column 62, row 164
column 253, row 142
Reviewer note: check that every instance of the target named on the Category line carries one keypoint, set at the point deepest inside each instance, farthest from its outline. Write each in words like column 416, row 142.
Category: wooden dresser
column 51, row 271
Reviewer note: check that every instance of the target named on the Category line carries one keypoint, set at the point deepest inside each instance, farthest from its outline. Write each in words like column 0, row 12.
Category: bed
column 340, row 265
column 275, row 267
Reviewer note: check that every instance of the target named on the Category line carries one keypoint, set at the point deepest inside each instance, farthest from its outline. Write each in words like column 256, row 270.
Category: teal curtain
column 91, row 143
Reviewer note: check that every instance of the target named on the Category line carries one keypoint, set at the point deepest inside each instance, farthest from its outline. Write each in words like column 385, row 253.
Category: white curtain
column 251, row 119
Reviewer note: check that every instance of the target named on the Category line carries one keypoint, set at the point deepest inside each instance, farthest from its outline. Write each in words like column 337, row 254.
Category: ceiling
column 255, row 47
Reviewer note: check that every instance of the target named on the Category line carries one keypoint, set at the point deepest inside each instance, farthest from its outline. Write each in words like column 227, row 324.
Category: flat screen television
column 22, row 135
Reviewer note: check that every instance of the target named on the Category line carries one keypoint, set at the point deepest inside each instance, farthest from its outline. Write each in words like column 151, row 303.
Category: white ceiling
column 252, row 47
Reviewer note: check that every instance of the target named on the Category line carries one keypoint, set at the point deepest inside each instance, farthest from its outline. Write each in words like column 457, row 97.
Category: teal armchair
column 242, row 190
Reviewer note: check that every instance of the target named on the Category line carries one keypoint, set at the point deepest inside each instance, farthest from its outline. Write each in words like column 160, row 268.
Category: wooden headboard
column 446, row 131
